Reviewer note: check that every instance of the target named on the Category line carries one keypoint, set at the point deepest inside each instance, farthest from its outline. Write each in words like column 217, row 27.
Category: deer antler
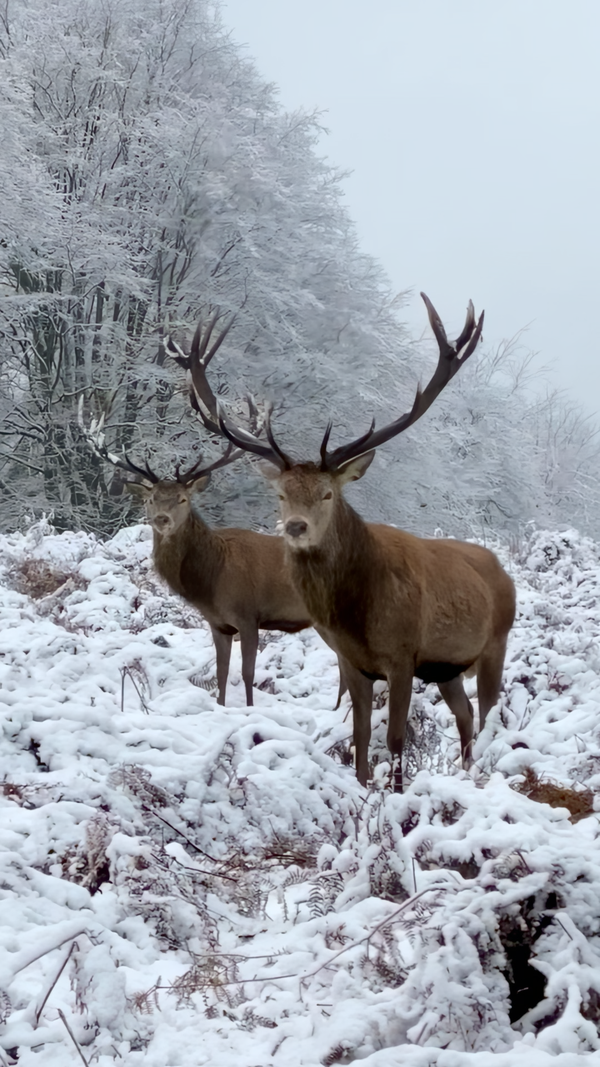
column 202, row 399
column 95, row 437
column 197, row 470
column 249, row 443
column 451, row 359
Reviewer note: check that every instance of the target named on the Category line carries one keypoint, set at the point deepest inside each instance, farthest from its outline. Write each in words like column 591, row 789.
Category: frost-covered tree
column 148, row 174
column 165, row 179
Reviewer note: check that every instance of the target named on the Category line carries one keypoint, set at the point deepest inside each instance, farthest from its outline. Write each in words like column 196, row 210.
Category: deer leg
column 342, row 686
column 249, row 643
column 489, row 677
column 223, row 650
column 457, row 700
column 400, row 685
column 361, row 695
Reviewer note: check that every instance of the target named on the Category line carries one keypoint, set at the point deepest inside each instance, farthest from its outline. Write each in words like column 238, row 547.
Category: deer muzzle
column 162, row 522
column 295, row 528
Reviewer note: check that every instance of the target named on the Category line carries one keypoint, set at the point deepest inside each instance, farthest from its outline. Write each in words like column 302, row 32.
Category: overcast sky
column 472, row 132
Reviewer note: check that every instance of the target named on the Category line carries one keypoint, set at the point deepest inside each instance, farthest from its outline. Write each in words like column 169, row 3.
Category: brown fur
column 394, row 605
column 238, row 579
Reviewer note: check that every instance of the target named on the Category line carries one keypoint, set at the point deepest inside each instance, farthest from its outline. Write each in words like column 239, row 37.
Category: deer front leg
column 400, row 683
column 249, row 643
column 223, row 651
column 361, row 695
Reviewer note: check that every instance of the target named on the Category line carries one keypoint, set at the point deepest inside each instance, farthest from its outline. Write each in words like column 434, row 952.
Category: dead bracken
column 579, row 802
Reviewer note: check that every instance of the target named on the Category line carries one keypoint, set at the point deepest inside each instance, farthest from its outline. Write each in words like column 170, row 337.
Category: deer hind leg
column 361, row 695
column 457, row 700
column 489, row 676
column 249, row 643
column 399, row 705
column 223, row 651
column 343, row 687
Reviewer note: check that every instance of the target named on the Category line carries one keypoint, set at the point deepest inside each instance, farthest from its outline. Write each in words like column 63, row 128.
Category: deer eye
column 328, row 495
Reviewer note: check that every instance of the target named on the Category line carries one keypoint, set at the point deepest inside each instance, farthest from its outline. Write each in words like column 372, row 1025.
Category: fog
column 471, row 131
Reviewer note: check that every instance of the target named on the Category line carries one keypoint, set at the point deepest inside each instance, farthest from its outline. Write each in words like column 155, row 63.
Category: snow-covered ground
column 185, row 884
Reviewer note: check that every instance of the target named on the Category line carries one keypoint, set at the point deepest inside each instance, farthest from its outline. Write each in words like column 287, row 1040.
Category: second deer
column 238, row 579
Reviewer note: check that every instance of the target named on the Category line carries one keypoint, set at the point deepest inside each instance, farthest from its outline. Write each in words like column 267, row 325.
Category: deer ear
column 268, row 470
column 138, row 489
column 355, row 468
column 199, row 484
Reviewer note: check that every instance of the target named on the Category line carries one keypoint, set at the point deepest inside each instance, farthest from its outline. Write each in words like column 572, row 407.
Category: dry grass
column 37, row 578
column 579, row 802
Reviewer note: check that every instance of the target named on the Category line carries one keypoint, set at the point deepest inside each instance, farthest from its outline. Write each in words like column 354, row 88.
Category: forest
column 150, row 178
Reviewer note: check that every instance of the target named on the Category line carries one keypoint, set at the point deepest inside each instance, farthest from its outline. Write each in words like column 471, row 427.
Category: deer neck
column 336, row 578
column 189, row 559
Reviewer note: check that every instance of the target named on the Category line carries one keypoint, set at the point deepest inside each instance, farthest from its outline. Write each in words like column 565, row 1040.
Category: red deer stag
column 393, row 605
column 238, row 579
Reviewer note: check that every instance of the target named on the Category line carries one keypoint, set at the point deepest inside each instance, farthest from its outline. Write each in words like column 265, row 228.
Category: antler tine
column 468, row 327
column 197, row 470
column 205, row 357
column 451, row 359
column 202, row 398
column 283, row 458
column 94, row 436
column 324, row 443
column 249, row 443
column 229, row 456
column 334, row 459
column 253, row 414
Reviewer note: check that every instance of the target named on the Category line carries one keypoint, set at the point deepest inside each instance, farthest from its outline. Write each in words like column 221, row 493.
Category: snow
column 185, row 884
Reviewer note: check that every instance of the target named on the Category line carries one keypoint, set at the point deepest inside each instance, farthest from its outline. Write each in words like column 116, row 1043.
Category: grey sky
column 472, row 132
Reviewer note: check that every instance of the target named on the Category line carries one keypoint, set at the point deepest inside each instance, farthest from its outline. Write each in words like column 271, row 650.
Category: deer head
column 167, row 500
column 308, row 492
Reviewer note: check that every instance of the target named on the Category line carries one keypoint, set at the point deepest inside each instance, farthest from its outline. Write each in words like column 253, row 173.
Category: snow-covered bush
column 185, row 883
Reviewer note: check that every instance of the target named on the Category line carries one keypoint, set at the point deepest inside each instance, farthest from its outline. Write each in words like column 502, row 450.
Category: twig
column 26, row 959
column 384, row 922
column 523, row 861
column 126, row 673
column 54, row 981
column 209, row 874
column 176, row 830
column 72, row 1036
column 440, row 887
column 564, row 928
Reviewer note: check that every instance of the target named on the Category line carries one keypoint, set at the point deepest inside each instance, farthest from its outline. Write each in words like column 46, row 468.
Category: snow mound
column 186, row 884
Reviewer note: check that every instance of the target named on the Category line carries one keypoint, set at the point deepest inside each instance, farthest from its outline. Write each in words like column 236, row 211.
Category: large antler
column 95, row 437
column 451, row 359
column 202, row 398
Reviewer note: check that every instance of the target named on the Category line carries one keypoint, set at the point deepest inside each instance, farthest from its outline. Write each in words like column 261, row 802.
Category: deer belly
column 438, row 671
column 286, row 625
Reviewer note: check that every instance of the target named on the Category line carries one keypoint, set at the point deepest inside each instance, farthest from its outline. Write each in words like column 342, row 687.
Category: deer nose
column 161, row 521
column 296, row 527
